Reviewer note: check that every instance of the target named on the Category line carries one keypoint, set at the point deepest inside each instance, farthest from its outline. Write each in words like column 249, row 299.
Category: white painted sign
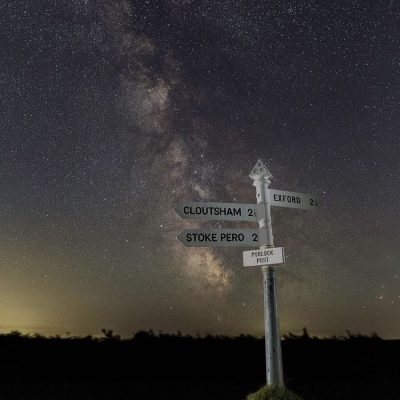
column 269, row 256
column 219, row 237
column 282, row 198
column 217, row 211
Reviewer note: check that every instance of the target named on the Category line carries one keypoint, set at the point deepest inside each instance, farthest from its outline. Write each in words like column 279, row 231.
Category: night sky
column 114, row 112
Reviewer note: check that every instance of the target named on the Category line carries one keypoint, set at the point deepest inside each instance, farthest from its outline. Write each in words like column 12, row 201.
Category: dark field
column 179, row 367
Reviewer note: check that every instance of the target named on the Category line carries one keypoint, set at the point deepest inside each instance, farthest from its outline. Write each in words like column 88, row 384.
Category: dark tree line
column 311, row 364
column 149, row 355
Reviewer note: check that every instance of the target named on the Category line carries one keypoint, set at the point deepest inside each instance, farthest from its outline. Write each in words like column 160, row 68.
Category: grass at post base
column 272, row 392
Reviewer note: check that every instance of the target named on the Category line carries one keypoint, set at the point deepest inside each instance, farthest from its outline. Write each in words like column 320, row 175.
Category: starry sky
column 114, row 112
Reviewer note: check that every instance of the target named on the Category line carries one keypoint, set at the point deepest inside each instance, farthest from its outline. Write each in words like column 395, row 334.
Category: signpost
column 219, row 237
column 267, row 256
column 273, row 353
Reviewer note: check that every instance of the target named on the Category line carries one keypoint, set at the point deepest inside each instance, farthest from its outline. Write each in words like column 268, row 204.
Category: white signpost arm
column 273, row 353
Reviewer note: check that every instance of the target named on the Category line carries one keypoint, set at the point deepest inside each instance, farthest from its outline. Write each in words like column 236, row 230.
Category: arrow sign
column 281, row 198
column 219, row 237
column 217, row 211
column 269, row 256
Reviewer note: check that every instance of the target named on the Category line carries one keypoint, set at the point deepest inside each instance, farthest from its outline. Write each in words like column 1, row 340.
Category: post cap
column 259, row 170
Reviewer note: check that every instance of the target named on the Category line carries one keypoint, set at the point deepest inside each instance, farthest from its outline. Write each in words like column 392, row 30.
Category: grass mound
column 270, row 392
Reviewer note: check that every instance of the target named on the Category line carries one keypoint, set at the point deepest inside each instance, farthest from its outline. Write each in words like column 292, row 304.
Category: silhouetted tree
column 305, row 334
column 109, row 334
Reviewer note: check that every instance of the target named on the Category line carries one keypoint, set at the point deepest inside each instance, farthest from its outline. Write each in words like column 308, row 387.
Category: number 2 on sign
column 313, row 202
column 251, row 212
column 255, row 237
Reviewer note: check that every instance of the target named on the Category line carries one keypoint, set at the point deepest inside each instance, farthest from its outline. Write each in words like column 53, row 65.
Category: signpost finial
column 260, row 170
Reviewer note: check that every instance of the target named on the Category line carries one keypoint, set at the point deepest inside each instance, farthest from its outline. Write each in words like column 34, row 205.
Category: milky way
column 113, row 112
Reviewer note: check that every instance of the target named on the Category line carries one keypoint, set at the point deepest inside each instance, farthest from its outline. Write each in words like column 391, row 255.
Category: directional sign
column 281, row 198
column 219, row 237
column 217, row 211
column 273, row 255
